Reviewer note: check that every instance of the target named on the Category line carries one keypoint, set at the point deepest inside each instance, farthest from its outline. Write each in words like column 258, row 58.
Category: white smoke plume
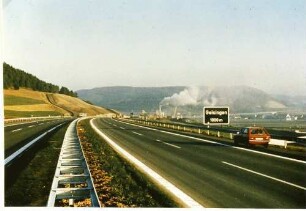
column 191, row 96
column 188, row 96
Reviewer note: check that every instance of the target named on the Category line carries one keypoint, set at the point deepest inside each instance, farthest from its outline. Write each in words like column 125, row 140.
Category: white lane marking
column 122, row 128
column 137, row 133
column 22, row 149
column 31, row 126
column 13, row 131
column 264, row 175
column 41, row 124
column 115, row 125
column 172, row 145
column 226, row 145
column 183, row 197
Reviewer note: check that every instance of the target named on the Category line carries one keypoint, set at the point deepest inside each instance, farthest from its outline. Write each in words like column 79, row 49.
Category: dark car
column 252, row 136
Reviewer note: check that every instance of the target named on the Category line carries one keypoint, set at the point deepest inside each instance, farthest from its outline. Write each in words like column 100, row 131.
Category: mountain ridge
column 135, row 99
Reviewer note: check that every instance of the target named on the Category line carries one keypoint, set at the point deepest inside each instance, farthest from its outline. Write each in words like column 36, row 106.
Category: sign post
column 216, row 116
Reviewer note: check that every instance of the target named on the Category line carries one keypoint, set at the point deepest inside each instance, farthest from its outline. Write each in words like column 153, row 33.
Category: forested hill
column 15, row 78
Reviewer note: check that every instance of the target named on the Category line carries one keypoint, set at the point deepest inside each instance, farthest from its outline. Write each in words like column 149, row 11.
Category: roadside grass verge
column 297, row 147
column 17, row 114
column 28, row 180
column 118, row 183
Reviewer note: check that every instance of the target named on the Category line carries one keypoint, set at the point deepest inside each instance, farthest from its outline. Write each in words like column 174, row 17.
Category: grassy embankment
column 118, row 184
column 28, row 103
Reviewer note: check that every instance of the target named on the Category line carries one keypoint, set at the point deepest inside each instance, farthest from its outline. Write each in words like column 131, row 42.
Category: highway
column 215, row 175
column 18, row 135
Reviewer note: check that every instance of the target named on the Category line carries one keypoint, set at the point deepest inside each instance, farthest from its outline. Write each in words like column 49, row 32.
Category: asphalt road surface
column 17, row 135
column 213, row 174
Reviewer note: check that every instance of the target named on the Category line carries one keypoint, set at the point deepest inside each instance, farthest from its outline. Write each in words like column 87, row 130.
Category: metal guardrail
column 17, row 153
column 72, row 182
column 27, row 119
column 218, row 132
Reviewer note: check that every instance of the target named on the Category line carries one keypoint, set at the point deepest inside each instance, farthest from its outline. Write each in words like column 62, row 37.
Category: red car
column 252, row 136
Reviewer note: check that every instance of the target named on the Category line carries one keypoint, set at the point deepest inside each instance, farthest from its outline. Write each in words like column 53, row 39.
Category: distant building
column 288, row 117
column 82, row 114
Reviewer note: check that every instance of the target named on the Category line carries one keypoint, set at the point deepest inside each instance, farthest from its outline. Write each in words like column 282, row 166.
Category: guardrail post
column 207, row 132
column 199, row 131
column 218, row 134
column 231, row 136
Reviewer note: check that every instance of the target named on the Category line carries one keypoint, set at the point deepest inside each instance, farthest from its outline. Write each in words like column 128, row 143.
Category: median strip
column 177, row 193
column 264, row 175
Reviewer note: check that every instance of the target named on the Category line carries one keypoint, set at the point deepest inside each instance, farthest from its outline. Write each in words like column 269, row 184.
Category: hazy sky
column 91, row 43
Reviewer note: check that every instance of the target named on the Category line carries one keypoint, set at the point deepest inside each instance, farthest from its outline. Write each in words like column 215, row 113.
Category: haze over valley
column 240, row 99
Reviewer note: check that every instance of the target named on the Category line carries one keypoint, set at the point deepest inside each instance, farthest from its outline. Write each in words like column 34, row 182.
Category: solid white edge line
column 264, row 175
column 184, row 198
column 25, row 147
column 213, row 142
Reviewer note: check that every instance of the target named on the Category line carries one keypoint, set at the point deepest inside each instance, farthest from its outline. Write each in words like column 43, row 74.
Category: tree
column 15, row 78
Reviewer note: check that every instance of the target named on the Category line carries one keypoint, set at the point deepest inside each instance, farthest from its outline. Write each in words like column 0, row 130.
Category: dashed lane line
column 13, row 131
column 175, row 191
column 137, row 133
column 214, row 142
column 264, row 175
column 172, row 145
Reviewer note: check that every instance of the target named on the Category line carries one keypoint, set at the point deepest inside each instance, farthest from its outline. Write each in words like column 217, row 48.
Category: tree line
column 15, row 78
